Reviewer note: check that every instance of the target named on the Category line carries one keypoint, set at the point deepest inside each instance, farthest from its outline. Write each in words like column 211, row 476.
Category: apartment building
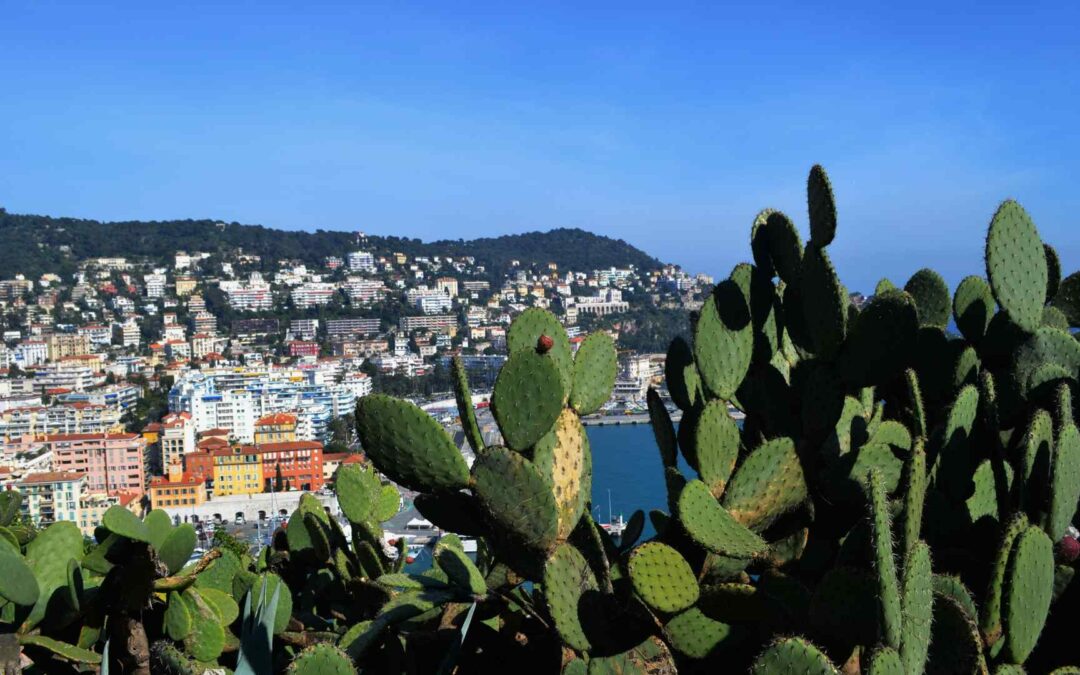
column 237, row 471
column 60, row 345
column 352, row 326
column 177, row 437
column 52, row 496
column 177, row 488
column 361, row 261
column 68, row 418
column 112, row 462
column 444, row 323
column 299, row 463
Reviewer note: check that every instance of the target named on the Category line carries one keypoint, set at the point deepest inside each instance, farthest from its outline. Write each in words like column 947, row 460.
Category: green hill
column 33, row 245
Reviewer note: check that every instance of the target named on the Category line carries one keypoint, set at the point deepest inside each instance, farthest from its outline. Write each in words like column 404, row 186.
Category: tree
column 278, row 478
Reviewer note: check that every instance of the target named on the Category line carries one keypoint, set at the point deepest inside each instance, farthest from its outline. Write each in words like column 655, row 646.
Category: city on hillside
column 221, row 386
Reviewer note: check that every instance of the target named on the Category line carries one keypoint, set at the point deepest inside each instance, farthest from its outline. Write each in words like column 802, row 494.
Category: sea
column 627, row 471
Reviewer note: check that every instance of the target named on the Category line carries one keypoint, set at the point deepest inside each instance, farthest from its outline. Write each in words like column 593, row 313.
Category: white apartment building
column 177, row 437
column 155, row 284
column 30, row 353
column 246, row 296
column 313, row 294
column 361, row 261
column 362, row 291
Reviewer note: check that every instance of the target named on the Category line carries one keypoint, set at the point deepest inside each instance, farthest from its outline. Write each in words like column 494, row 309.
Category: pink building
column 113, row 463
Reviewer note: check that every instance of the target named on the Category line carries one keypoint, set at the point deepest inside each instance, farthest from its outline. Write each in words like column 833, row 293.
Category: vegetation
column 34, row 245
column 894, row 501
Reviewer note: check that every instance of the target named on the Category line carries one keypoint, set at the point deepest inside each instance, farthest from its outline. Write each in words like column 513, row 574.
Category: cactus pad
column 1068, row 298
column 824, row 302
column 662, row 427
column 516, row 497
column 563, row 458
column 785, row 246
column 931, row 296
column 696, row 636
column 119, row 520
column 711, row 526
column 177, row 547
column 886, row 661
column 792, row 655
column 177, row 618
column 566, row 577
column 1016, row 265
column 527, row 398
column 1065, row 482
column 681, row 375
column 768, row 484
column 466, row 411
column 408, row 446
column 1047, row 346
column 1028, row 589
column 955, row 638
column 159, row 524
column 724, row 340
column 207, row 637
column 48, row 555
column 715, row 447
column 62, row 649
column 880, row 340
column 17, row 582
column 595, row 368
column 321, row 659
column 357, row 488
column 884, row 562
column 918, row 608
column 662, row 577
column 452, row 511
column 460, row 570
column 822, row 207
column 973, row 307
column 525, row 332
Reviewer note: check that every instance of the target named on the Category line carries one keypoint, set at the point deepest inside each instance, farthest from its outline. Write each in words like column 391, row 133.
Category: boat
column 614, row 526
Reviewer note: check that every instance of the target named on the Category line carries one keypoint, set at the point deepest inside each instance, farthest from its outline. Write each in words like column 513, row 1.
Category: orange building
column 276, row 428
column 300, row 462
column 200, row 463
column 177, row 490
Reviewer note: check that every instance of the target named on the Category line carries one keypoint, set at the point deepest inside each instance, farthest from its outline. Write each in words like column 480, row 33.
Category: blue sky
column 667, row 125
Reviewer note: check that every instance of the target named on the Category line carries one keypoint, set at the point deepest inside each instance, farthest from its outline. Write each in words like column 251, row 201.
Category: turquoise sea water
column 627, row 462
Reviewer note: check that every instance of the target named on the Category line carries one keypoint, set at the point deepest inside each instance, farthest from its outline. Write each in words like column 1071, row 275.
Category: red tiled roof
column 288, row 445
column 51, row 477
column 276, row 419
column 186, row 479
column 127, row 497
column 89, row 437
column 213, row 442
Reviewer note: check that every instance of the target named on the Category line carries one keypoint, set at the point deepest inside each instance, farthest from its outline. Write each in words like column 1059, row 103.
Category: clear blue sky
column 669, row 126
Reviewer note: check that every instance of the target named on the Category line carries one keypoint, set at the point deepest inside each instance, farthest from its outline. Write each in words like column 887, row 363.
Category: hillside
column 33, row 245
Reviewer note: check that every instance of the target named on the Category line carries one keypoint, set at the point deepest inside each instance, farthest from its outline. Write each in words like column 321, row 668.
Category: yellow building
column 276, row 428
column 185, row 286
column 178, row 489
column 237, row 471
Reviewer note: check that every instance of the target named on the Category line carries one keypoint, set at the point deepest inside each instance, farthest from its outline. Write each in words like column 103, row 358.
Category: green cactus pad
column 973, row 307
column 886, row 661
column 1055, row 318
column 1037, row 450
column 526, row 400
column 566, row 577
column 662, row 577
column 465, row 406
column 1016, row 265
column 461, row 571
column 62, row 649
column 223, row 605
column 207, row 637
column 452, row 511
column 990, row 615
column 119, row 520
column 715, row 447
column 760, row 294
column 724, row 340
column 159, row 524
column 516, row 497
column 785, row 246
column 595, row 368
column 711, row 526
column 650, row 657
column 17, row 582
column 301, row 533
column 1053, row 271
column 357, row 487
column 1047, row 346
column 524, row 334
column 931, row 296
column 48, row 555
column 696, row 636
column 759, row 243
column 681, row 375
column 824, row 302
column 983, row 501
column 1028, row 588
column 321, row 659
column 884, row 562
column 1065, row 482
column 1009, row 669
column 768, row 484
column 663, row 429
column 408, row 445
column 880, row 340
column 563, row 458
column 175, row 550
column 10, row 502
column 917, row 598
column 950, row 586
column 822, row 207
column 792, row 655
column 387, row 504
column 177, row 617
column 1068, row 298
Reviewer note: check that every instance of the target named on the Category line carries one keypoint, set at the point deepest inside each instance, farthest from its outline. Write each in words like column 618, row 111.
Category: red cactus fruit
column 544, row 344
column 1068, row 549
